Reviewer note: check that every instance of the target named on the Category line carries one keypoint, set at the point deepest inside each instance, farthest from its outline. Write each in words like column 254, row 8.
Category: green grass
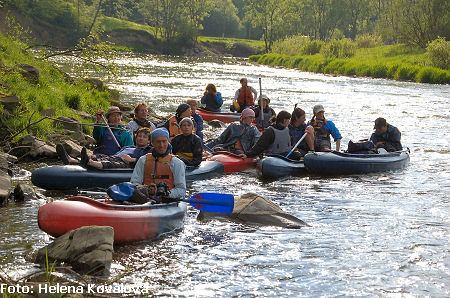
column 257, row 44
column 396, row 62
column 51, row 92
column 108, row 24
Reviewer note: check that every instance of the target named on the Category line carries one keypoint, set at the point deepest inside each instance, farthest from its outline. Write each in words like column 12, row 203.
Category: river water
column 370, row 235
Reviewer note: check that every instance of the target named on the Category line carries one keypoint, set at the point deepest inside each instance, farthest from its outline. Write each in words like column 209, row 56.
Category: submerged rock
column 23, row 192
column 251, row 208
column 87, row 249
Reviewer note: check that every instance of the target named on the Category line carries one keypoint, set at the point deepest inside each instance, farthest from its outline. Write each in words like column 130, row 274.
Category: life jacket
column 245, row 97
column 174, row 127
column 282, row 142
column 267, row 116
column 320, row 132
column 158, row 170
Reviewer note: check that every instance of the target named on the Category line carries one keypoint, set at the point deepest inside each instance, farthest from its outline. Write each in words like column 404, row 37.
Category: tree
column 415, row 22
column 222, row 20
column 196, row 10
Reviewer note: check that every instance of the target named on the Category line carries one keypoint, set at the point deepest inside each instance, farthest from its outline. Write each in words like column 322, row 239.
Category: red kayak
column 130, row 222
column 232, row 162
column 224, row 117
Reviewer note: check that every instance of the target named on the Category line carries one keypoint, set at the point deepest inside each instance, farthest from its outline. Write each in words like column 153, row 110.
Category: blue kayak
column 71, row 177
column 339, row 163
column 277, row 166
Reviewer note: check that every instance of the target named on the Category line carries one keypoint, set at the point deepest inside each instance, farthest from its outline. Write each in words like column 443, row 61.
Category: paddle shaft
column 296, row 145
column 261, row 102
column 111, row 132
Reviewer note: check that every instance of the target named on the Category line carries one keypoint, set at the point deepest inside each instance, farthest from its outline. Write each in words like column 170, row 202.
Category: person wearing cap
column 140, row 119
column 173, row 123
column 198, row 120
column 161, row 166
column 244, row 97
column 212, row 99
column 323, row 128
column 125, row 158
column 297, row 128
column 106, row 143
column 386, row 136
column 239, row 136
column 268, row 113
column 187, row 146
column 275, row 139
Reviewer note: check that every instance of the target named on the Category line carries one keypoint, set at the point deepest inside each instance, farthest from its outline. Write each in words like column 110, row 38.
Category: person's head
column 319, row 112
column 243, row 82
column 114, row 115
column 380, row 125
column 298, row 117
column 160, row 140
column 186, row 126
column 141, row 111
column 143, row 137
column 211, row 89
column 193, row 104
column 283, row 118
column 183, row 110
column 265, row 101
column 247, row 116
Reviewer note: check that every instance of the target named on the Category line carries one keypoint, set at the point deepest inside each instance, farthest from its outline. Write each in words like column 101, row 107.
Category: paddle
column 296, row 145
column 203, row 201
column 111, row 132
column 261, row 102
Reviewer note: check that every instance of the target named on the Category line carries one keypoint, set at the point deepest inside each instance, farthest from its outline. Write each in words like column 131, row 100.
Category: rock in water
column 88, row 249
column 253, row 209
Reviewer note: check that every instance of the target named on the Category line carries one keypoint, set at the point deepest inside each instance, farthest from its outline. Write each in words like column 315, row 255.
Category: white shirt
column 178, row 169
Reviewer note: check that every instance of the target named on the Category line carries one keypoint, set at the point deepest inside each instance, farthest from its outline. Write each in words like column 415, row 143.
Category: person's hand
column 242, row 155
column 309, row 130
column 99, row 116
column 127, row 158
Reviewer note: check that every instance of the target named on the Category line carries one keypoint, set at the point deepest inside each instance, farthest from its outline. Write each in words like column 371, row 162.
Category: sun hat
column 113, row 109
column 318, row 108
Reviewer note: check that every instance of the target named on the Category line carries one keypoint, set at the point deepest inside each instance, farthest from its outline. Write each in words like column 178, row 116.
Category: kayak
column 130, row 222
column 222, row 116
column 339, row 163
column 277, row 166
column 231, row 162
column 71, row 177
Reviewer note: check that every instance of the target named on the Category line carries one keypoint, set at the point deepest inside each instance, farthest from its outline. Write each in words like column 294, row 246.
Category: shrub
column 312, row 47
column 368, row 41
column 297, row 44
column 343, row 48
column 73, row 101
column 438, row 52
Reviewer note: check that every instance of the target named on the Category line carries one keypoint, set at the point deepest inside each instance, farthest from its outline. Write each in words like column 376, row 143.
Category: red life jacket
column 245, row 97
column 158, row 170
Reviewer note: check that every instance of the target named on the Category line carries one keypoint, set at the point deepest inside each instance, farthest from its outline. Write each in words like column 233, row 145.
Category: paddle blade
column 212, row 202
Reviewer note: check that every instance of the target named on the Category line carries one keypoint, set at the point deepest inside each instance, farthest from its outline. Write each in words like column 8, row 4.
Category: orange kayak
column 130, row 222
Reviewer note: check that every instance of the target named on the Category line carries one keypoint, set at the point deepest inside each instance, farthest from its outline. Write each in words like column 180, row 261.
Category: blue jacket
column 106, row 144
column 198, row 123
column 212, row 103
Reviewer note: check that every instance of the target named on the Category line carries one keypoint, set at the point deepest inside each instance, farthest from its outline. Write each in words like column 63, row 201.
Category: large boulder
column 37, row 147
column 10, row 103
column 5, row 187
column 87, row 249
column 68, row 123
column 251, row 208
column 30, row 73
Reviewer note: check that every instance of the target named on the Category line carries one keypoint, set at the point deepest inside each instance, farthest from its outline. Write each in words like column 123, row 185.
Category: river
column 370, row 235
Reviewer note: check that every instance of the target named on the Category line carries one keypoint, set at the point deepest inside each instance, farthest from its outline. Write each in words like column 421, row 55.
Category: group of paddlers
column 161, row 154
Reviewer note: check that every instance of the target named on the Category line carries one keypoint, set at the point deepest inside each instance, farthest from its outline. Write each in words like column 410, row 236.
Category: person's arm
column 219, row 99
column 225, row 135
column 255, row 93
column 199, row 121
column 338, row 145
column 262, row 144
column 197, row 152
column 332, row 129
column 203, row 100
column 132, row 126
column 179, row 174
column 138, row 173
column 236, row 94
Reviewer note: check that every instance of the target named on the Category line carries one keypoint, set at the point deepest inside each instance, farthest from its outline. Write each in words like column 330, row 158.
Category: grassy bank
column 395, row 62
column 53, row 91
